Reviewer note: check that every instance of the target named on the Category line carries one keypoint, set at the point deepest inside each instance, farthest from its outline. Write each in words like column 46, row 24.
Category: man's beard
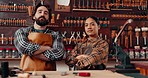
column 42, row 21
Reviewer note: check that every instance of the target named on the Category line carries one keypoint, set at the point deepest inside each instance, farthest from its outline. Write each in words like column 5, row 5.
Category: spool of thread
column 5, row 69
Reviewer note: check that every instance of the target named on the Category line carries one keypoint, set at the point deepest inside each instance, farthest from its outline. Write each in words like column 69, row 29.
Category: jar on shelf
column 146, row 52
column 142, row 54
column 15, row 53
column 2, row 53
column 8, row 53
column 67, row 52
column 137, row 54
column 131, row 53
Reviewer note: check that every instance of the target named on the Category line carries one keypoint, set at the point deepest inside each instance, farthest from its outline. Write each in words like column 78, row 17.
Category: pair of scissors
column 64, row 37
column 72, row 37
column 78, row 38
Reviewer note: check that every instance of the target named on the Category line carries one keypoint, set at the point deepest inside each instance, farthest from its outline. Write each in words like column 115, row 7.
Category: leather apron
column 30, row 63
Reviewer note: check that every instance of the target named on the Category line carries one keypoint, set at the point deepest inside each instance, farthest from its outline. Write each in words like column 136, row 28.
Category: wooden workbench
column 94, row 74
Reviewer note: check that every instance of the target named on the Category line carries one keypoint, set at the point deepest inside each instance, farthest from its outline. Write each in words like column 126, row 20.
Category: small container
column 131, row 53
column 69, row 50
column 66, row 53
column 142, row 54
column 8, row 53
column 15, row 53
column 137, row 54
column 2, row 52
column 146, row 53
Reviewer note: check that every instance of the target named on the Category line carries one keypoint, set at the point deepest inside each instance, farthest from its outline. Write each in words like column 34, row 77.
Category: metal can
column 15, row 53
column 2, row 53
column 8, row 53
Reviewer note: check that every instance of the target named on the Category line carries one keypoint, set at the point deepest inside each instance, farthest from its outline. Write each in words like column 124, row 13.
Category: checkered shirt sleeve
column 22, row 44
column 57, row 51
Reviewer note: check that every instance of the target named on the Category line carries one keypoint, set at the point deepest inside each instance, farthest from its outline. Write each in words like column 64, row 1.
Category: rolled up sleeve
column 22, row 44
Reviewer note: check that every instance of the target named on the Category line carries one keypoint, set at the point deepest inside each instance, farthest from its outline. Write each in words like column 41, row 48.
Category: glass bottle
column 2, row 52
column 15, row 53
column 8, row 53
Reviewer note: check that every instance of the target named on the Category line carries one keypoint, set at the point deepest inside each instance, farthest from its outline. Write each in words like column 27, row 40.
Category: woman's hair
column 39, row 5
column 94, row 18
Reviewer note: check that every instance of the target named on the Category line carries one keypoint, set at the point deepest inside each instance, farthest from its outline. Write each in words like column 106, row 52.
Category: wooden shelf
column 12, row 26
column 68, row 29
column 116, row 9
column 50, row 26
column 6, row 45
column 14, row 11
column 91, row 10
column 10, row 59
column 112, row 59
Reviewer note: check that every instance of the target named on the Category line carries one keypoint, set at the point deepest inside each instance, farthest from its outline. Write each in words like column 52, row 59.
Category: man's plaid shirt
column 25, row 47
column 97, row 50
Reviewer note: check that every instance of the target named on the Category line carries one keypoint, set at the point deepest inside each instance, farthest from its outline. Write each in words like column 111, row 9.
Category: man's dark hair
column 39, row 5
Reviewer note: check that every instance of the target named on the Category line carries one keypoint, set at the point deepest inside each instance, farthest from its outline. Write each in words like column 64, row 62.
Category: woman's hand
column 80, row 64
column 81, row 57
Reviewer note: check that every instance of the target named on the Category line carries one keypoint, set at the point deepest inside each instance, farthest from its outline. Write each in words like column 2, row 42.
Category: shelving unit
column 114, row 9
column 10, row 59
column 14, row 11
column 91, row 10
column 13, row 16
column 113, row 22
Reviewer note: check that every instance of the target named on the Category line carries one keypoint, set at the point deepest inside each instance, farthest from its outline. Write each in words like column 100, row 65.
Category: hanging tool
column 64, row 37
column 72, row 37
column 78, row 38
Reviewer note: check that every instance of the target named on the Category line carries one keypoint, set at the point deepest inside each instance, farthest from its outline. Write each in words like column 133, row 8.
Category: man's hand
column 42, row 57
column 42, row 49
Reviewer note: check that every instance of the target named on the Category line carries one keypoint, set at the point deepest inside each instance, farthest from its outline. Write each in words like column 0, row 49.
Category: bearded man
column 39, row 46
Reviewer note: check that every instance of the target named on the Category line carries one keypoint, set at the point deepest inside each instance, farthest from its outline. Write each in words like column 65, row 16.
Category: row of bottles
column 5, row 7
column 11, row 6
column 9, row 53
column 90, row 4
column 12, row 22
column 126, row 4
column 118, row 4
column 6, row 40
column 79, row 21
column 138, row 16
column 133, row 53
column 137, row 53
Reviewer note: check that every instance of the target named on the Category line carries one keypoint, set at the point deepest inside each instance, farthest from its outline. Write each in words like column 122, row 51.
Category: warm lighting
column 63, row 2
